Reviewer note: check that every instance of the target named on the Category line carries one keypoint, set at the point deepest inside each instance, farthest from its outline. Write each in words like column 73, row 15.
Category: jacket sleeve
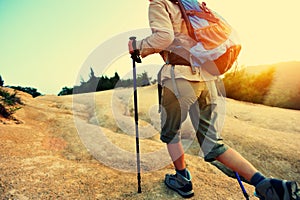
column 162, row 30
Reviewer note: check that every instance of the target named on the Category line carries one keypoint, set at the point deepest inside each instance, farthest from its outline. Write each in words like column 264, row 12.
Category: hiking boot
column 275, row 189
column 182, row 185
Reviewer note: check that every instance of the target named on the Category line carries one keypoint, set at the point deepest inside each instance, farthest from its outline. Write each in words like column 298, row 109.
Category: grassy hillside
column 274, row 85
column 82, row 147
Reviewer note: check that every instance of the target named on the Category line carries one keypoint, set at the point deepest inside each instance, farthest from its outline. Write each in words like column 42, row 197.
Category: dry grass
column 274, row 85
column 53, row 155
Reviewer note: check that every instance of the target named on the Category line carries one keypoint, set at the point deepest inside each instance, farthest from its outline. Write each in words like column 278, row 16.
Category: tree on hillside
column 1, row 81
column 29, row 90
column 86, row 86
column 95, row 83
column 114, row 80
column 92, row 73
column 143, row 79
column 104, row 83
column 65, row 91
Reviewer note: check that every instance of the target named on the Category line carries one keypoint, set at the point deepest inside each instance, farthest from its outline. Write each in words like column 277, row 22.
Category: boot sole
column 181, row 193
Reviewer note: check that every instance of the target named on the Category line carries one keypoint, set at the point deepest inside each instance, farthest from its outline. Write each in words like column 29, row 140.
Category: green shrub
column 10, row 99
column 8, row 103
column 3, row 111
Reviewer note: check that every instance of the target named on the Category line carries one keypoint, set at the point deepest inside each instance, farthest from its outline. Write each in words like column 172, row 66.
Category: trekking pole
column 135, row 58
column 242, row 186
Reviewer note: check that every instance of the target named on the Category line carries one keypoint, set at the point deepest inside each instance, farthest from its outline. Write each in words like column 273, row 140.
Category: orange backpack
column 216, row 46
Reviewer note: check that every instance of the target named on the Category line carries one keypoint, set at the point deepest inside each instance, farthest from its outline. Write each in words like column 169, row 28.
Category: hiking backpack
column 215, row 47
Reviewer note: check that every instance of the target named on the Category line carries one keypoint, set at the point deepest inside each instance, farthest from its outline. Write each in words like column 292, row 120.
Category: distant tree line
column 95, row 84
column 29, row 90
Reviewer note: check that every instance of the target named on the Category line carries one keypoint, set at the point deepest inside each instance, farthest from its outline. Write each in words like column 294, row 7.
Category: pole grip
column 135, row 54
column 133, row 38
column 133, row 47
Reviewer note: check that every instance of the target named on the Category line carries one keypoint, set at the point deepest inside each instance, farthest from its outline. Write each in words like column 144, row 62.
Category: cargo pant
column 200, row 100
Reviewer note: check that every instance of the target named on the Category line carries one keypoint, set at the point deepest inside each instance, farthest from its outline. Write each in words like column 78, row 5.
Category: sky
column 50, row 44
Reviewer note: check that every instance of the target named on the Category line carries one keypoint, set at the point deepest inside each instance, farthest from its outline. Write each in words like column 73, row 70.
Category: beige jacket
column 166, row 21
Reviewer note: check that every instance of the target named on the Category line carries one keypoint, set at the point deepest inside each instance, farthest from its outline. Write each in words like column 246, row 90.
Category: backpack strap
column 204, row 15
column 176, row 92
column 159, row 89
column 185, row 17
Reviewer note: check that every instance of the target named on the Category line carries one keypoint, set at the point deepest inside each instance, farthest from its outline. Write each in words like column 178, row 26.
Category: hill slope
column 285, row 88
column 45, row 156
